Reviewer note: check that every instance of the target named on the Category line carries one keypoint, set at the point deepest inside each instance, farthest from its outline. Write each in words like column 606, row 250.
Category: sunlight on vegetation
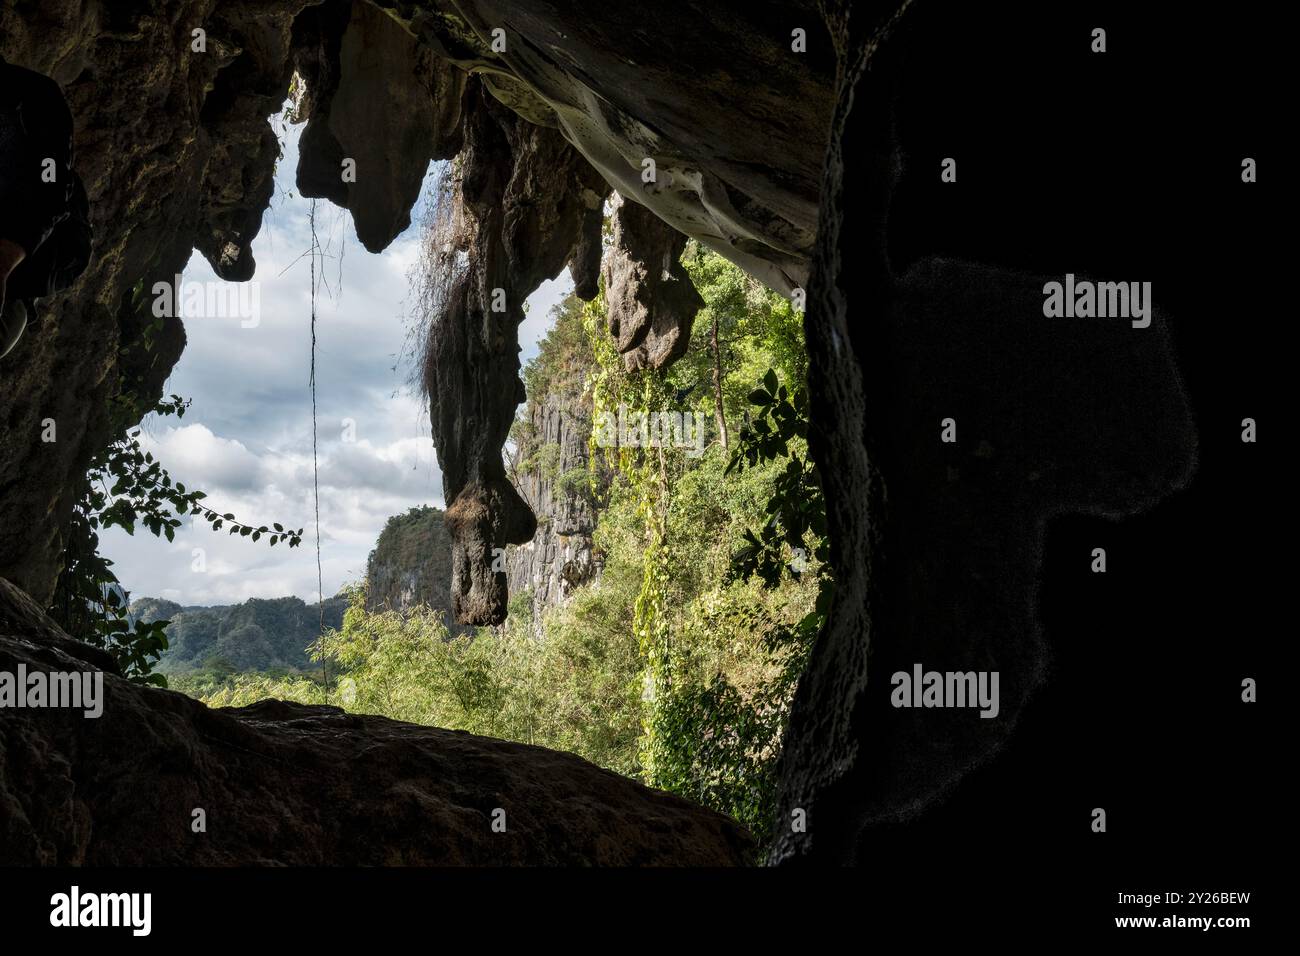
column 677, row 663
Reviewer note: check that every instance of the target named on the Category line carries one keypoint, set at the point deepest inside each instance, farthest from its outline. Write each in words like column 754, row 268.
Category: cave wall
column 926, row 302
column 176, row 154
column 816, row 170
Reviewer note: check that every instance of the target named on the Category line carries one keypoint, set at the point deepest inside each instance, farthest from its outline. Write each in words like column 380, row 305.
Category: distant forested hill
column 411, row 563
column 410, row 566
column 258, row 635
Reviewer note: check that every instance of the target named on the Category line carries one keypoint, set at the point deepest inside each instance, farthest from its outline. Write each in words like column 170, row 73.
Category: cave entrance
column 662, row 609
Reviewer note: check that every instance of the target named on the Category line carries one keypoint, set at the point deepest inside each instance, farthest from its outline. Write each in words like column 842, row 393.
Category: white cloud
column 195, row 456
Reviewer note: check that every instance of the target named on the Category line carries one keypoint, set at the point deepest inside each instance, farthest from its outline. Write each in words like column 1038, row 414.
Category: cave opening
column 959, row 456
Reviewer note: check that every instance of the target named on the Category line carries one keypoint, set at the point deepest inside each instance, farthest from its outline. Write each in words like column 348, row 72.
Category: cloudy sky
column 246, row 439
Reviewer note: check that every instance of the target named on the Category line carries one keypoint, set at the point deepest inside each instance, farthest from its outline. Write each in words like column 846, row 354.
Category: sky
column 246, row 438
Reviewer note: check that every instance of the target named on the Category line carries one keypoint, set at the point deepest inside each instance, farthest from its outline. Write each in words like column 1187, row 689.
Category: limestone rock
column 291, row 784
column 528, row 195
column 735, row 120
column 648, row 294
column 388, row 105
column 560, row 557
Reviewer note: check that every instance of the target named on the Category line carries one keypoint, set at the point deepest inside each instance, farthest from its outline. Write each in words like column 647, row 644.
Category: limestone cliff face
column 410, row 565
column 558, row 486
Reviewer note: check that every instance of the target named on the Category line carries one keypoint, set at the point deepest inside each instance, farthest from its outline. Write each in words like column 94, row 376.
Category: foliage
column 678, row 663
column 567, row 692
column 796, row 507
column 757, row 329
column 126, row 487
column 719, row 654
column 796, row 517
column 270, row 636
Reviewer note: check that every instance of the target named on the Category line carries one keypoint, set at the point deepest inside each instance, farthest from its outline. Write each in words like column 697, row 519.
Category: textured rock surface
column 560, row 556
column 528, row 195
column 176, row 154
column 291, row 784
column 648, row 295
column 735, row 121
column 387, row 103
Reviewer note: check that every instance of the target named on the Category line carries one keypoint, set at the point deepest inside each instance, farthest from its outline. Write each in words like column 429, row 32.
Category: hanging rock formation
column 734, row 122
column 386, row 103
column 528, row 195
column 648, row 295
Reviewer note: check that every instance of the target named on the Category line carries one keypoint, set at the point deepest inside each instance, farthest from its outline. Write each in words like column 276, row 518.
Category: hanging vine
column 647, row 472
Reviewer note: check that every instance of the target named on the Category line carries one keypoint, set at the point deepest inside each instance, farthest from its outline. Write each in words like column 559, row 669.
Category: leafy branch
column 797, row 505
column 126, row 487
column 142, row 492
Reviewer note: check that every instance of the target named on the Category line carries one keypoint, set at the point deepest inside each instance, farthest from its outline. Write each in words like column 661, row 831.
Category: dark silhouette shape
column 44, row 214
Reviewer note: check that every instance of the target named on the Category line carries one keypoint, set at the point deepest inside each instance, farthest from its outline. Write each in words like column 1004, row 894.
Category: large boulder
column 283, row 783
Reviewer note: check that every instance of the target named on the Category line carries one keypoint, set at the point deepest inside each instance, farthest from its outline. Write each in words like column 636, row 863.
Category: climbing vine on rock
column 645, row 470
column 705, row 733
